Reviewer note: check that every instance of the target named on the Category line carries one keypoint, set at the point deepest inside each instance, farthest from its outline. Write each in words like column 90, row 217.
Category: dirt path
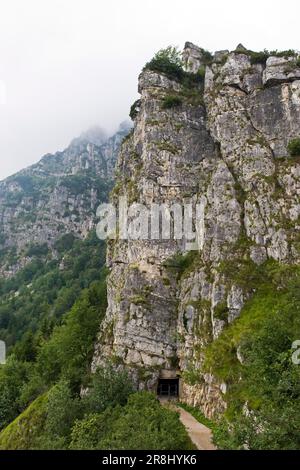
column 199, row 434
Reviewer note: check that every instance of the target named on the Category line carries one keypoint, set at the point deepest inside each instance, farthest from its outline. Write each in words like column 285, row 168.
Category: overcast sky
column 67, row 65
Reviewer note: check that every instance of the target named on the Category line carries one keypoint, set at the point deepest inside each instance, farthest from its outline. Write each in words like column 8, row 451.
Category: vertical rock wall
column 225, row 149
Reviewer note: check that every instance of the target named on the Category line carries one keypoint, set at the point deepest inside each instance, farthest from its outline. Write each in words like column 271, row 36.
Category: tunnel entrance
column 168, row 388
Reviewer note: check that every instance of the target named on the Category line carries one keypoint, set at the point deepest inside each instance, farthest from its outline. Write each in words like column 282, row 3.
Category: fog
column 66, row 65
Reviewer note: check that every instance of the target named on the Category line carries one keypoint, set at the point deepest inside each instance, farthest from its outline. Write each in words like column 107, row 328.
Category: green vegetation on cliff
column 110, row 416
column 253, row 356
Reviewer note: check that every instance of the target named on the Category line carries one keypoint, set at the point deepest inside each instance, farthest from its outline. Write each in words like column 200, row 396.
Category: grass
column 171, row 101
column 198, row 415
column 275, row 291
column 25, row 430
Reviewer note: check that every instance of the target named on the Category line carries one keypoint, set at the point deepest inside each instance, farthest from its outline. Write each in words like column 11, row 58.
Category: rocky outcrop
column 280, row 69
column 224, row 148
column 58, row 195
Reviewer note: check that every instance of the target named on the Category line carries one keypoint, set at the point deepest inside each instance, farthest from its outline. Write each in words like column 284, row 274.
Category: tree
column 142, row 424
column 109, row 387
column 169, row 62
column 62, row 410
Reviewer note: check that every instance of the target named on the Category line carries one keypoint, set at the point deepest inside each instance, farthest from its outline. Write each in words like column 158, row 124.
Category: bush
column 259, row 57
column 294, row 147
column 65, row 243
column 108, row 388
column 171, row 101
column 207, row 57
column 285, row 54
column 12, row 376
column 62, row 411
column 134, row 110
column 180, row 263
column 169, row 62
column 143, row 424
column 38, row 250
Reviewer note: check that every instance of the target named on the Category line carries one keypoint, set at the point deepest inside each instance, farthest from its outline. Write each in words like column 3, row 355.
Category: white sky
column 71, row 64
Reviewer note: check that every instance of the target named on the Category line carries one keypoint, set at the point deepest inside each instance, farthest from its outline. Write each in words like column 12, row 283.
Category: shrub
column 169, row 62
column 108, row 388
column 38, row 250
column 134, row 109
column 286, row 54
column 143, row 424
column 179, row 263
column 207, row 57
column 65, row 243
column 259, row 57
column 294, row 147
column 171, row 101
column 62, row 411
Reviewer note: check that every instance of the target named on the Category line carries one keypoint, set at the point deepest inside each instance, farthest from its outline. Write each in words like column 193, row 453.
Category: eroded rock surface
column 227, row 152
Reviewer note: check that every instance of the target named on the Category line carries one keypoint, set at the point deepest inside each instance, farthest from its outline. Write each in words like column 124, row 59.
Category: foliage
column 38, row 250
column 259, row 57
column 169, row 62
column 266, row 381
column 207, row 57
column 36, row 298
column 24, row 432
column 141, row 424
column 66, row 354
column 198, row 415
column 294, row 147
column 134, row 109
column 12, row 377
column 108, row 388
column 180, row 263
column 65, row 243
column 69, row 350
column 262, row 56
column 171, row 101
column 286, row 54
column 62, row 411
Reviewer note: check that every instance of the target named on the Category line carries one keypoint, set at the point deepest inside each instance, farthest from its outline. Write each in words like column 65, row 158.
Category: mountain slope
column 222, row 132
column 49, row 252
column 58, row 195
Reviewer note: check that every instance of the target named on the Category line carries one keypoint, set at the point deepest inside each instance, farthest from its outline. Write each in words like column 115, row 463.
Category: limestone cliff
column 222, row 143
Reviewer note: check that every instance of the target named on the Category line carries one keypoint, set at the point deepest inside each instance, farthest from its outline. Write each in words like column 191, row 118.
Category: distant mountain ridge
column 56, row 196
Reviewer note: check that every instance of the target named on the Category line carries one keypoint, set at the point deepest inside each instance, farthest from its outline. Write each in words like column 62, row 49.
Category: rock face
column 193, row 57
column 58, row 195
column 280, row 69
column 227, row 152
